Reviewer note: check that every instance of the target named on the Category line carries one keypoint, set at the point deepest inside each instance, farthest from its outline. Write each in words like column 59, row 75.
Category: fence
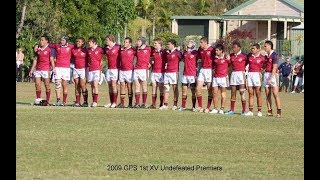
column 293, row 48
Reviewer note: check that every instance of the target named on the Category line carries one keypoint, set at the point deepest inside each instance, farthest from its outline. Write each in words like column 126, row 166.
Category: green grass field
column 80, row 143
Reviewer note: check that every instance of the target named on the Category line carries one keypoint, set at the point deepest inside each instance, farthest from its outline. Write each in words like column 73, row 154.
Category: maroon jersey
column 220, row 65
column 172, row 59
column 256, row 62
column 272, row 59
column 143, row 57
column 63, row 54
column 159, row 63
column 43, row 58
column 190, row 63
column 113, row 56
column 238, row 61
column 80, row 56
column 95, row 58
column 127, row 59
column 206, row 56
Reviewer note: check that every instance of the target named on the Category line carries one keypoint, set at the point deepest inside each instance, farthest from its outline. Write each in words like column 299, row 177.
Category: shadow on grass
column 23, row 103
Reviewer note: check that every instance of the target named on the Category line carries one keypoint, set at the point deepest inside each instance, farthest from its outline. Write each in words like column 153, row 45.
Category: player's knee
column 58, row 85
column 243, row 94
column 47, row 85
column 198, row 92
column 184, row 93
column 167, row 88
column 223, row 94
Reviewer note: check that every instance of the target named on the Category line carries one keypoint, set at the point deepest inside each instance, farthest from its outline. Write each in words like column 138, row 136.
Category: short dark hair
column 205, row 39
column 128, row 38
column 93, row 39
column 256, row 45
column 270, row 43
column 45, row 37
column 219, row 46
column 236, row 42
column 172, row 41
column 82, row 39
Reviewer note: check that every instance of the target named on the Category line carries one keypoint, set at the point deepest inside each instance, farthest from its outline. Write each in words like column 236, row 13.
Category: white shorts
column 140, row 74
column 188, row 79
column 94, row 75
column 298, row 81
column 170, row 78
column 254, row 79
column 205, row 75
column 274, row 80
column 156, row 77
column 79, row 73
column 112, row 75
column 42, row 74
column 125, row 76
column 220, row 81
column 237, row 78
column 62, row 73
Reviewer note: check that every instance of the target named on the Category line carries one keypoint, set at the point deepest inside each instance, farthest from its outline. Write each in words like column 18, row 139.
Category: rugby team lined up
column 129, row 65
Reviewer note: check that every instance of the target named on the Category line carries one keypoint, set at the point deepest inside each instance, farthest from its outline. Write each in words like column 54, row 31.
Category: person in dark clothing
column 284, row 71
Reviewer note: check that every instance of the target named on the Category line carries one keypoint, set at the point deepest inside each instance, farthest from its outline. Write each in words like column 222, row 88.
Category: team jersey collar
column 270, row 53
column 170, row 51
column 238, row 53
column 64, row 45
column 209, row 45
column 126, row 48
column 158, row 50
column 110, row 47
column 44, row 47
column 142, row 46
column 256, row 55
column 189, row 50
column 222, row 56
column 94, row 47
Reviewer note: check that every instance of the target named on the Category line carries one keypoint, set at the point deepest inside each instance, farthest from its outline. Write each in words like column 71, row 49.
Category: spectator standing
column 19, row 64
column 285, row 73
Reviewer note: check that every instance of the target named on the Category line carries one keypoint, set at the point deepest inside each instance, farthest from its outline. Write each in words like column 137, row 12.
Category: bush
column 165, row 36
column 243, row 36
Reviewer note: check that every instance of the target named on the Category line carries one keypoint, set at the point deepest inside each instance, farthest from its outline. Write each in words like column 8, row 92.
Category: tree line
column 87, row 18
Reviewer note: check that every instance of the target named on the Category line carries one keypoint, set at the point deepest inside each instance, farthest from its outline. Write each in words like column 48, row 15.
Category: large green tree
column 74, row 18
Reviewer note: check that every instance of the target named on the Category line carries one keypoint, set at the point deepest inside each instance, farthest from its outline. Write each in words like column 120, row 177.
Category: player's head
column 141, row 41
column 268, row 46
column 288, row 59
column 92, row 41
column 191, row 44
column 171, row 44
column 157, row 42
column 236, row 46
column 203, row 42
column 44, row 40
column 80, row 42
column 63, row 40
column 127, row 42
column 255, row 48
column 110, row 40
column 219, row 48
